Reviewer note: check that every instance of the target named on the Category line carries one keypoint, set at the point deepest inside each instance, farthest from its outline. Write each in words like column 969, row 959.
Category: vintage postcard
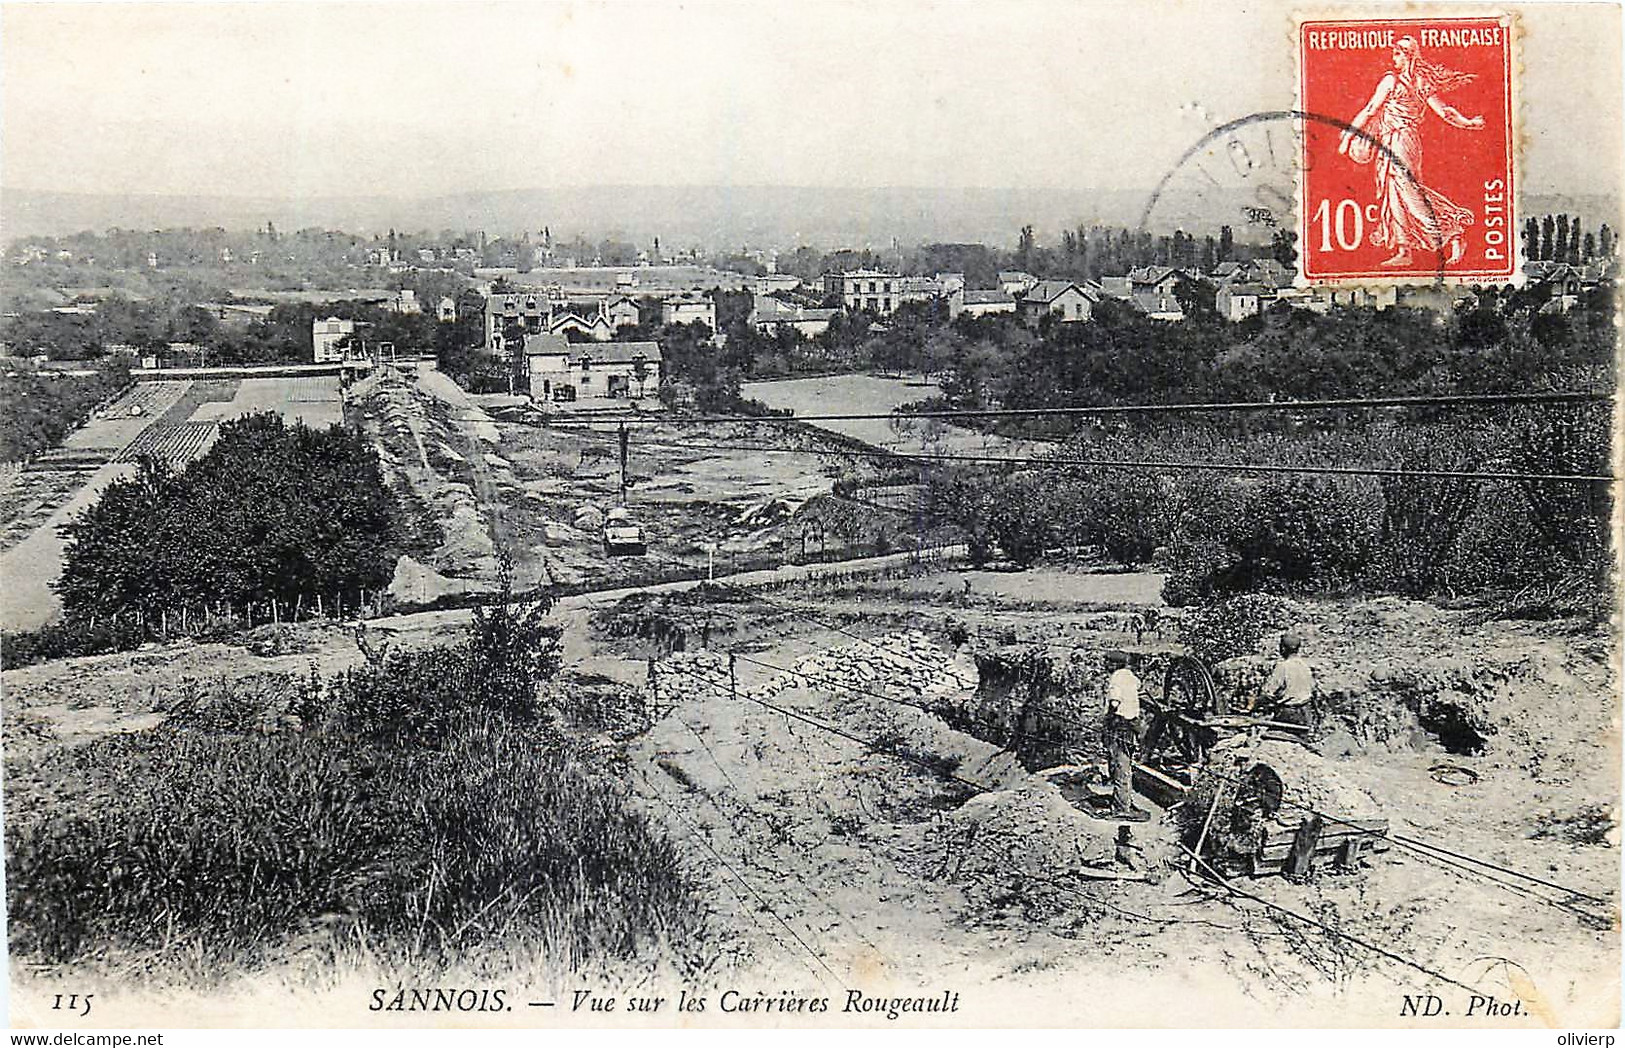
column 543, row 515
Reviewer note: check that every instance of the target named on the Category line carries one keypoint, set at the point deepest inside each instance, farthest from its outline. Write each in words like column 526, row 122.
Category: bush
column 1204, row 569
column 69, row 638
column 414, row 697
column 224, row 845
column 272, row 511
column 1308, row 532
column 1022, row 519
column 1125, row 516
column 1423, row 519
column 1233, row 627
column 406, row 802
column 1569, row 519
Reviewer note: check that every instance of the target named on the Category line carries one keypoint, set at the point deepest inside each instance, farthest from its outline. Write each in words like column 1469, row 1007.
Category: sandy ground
column 28, row 570
column 832, row 866
column 838, row 845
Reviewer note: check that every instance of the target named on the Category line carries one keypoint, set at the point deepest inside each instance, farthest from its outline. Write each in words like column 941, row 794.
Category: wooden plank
column 1283, row 834
column 1304, row 845
column 1159, row 787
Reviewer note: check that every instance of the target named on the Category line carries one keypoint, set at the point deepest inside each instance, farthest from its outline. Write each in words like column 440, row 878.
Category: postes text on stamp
column 1406, row 169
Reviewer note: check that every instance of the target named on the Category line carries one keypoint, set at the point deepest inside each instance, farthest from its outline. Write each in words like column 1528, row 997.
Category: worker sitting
column 1287, row 695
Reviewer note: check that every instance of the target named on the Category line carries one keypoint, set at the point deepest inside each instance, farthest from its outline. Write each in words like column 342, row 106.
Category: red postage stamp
column 1406, row 170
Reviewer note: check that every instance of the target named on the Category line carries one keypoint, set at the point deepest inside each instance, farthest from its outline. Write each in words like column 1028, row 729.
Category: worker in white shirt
column 1121, row 734
column 1287, row 694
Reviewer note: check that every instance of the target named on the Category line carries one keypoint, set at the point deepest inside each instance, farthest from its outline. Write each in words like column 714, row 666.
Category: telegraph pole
column 623, row 436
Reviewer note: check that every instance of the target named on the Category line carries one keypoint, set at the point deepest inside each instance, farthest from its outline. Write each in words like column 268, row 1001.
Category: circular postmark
column 1247, row 174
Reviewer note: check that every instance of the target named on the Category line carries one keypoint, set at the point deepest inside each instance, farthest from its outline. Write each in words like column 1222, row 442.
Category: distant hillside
column 714, row 217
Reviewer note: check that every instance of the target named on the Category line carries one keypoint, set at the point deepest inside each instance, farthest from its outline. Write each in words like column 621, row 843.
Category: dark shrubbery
column 272, row 511
column 41, row 409
column 69, row 638
column 1221, row 534
column 1233, row 626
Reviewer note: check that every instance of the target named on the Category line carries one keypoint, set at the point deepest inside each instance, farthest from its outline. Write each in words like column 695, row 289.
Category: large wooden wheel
column 1188, row 696
column 1188, row 688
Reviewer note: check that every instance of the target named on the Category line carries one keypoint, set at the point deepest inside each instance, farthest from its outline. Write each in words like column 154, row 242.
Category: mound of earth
column 1026, row 847
column 1312, row 781
column 416, row 583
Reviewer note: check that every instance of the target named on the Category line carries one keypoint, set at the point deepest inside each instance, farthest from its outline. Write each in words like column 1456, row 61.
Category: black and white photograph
column 810, row 514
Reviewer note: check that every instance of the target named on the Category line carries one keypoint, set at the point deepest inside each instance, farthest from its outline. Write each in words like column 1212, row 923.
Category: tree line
column 160, row 327
column 1563, row 239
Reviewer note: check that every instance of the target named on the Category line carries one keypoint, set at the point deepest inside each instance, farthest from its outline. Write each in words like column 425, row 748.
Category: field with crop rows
column 177, row 443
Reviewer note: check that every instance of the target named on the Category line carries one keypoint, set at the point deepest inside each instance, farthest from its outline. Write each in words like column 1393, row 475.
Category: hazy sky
column 275, row 98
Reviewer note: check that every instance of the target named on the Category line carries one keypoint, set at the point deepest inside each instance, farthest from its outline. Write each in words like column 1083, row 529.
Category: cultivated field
column 311, row 399
column 172, row 420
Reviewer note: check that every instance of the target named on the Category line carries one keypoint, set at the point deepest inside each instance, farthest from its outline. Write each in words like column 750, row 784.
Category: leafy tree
column 1482, row 327
column 271, row 511
column 1284, row 247
column 1196, row 298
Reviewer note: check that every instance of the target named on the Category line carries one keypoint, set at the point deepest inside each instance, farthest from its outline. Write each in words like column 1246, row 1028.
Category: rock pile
column 906, row 667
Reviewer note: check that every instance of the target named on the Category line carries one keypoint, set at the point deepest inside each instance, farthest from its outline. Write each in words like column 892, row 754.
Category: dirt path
column 422, row 627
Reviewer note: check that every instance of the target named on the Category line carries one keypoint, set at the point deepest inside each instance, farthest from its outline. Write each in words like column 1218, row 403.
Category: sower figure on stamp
column 1121, row 735
column 1410, row 214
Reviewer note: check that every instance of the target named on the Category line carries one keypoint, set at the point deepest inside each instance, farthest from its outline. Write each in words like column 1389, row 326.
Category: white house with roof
column 688, row 308
column 1015, row 283
column 325, row 335
column 1066, row 300
column 556, row 369
column 769, row 316
column 1240, row 299
column 978, row 302
column 623, row 312
column 1151, row 290
column 546, row 311
column 875, row 290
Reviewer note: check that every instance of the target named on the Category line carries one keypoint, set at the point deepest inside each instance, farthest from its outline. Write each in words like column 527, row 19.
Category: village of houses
column 561, row 337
